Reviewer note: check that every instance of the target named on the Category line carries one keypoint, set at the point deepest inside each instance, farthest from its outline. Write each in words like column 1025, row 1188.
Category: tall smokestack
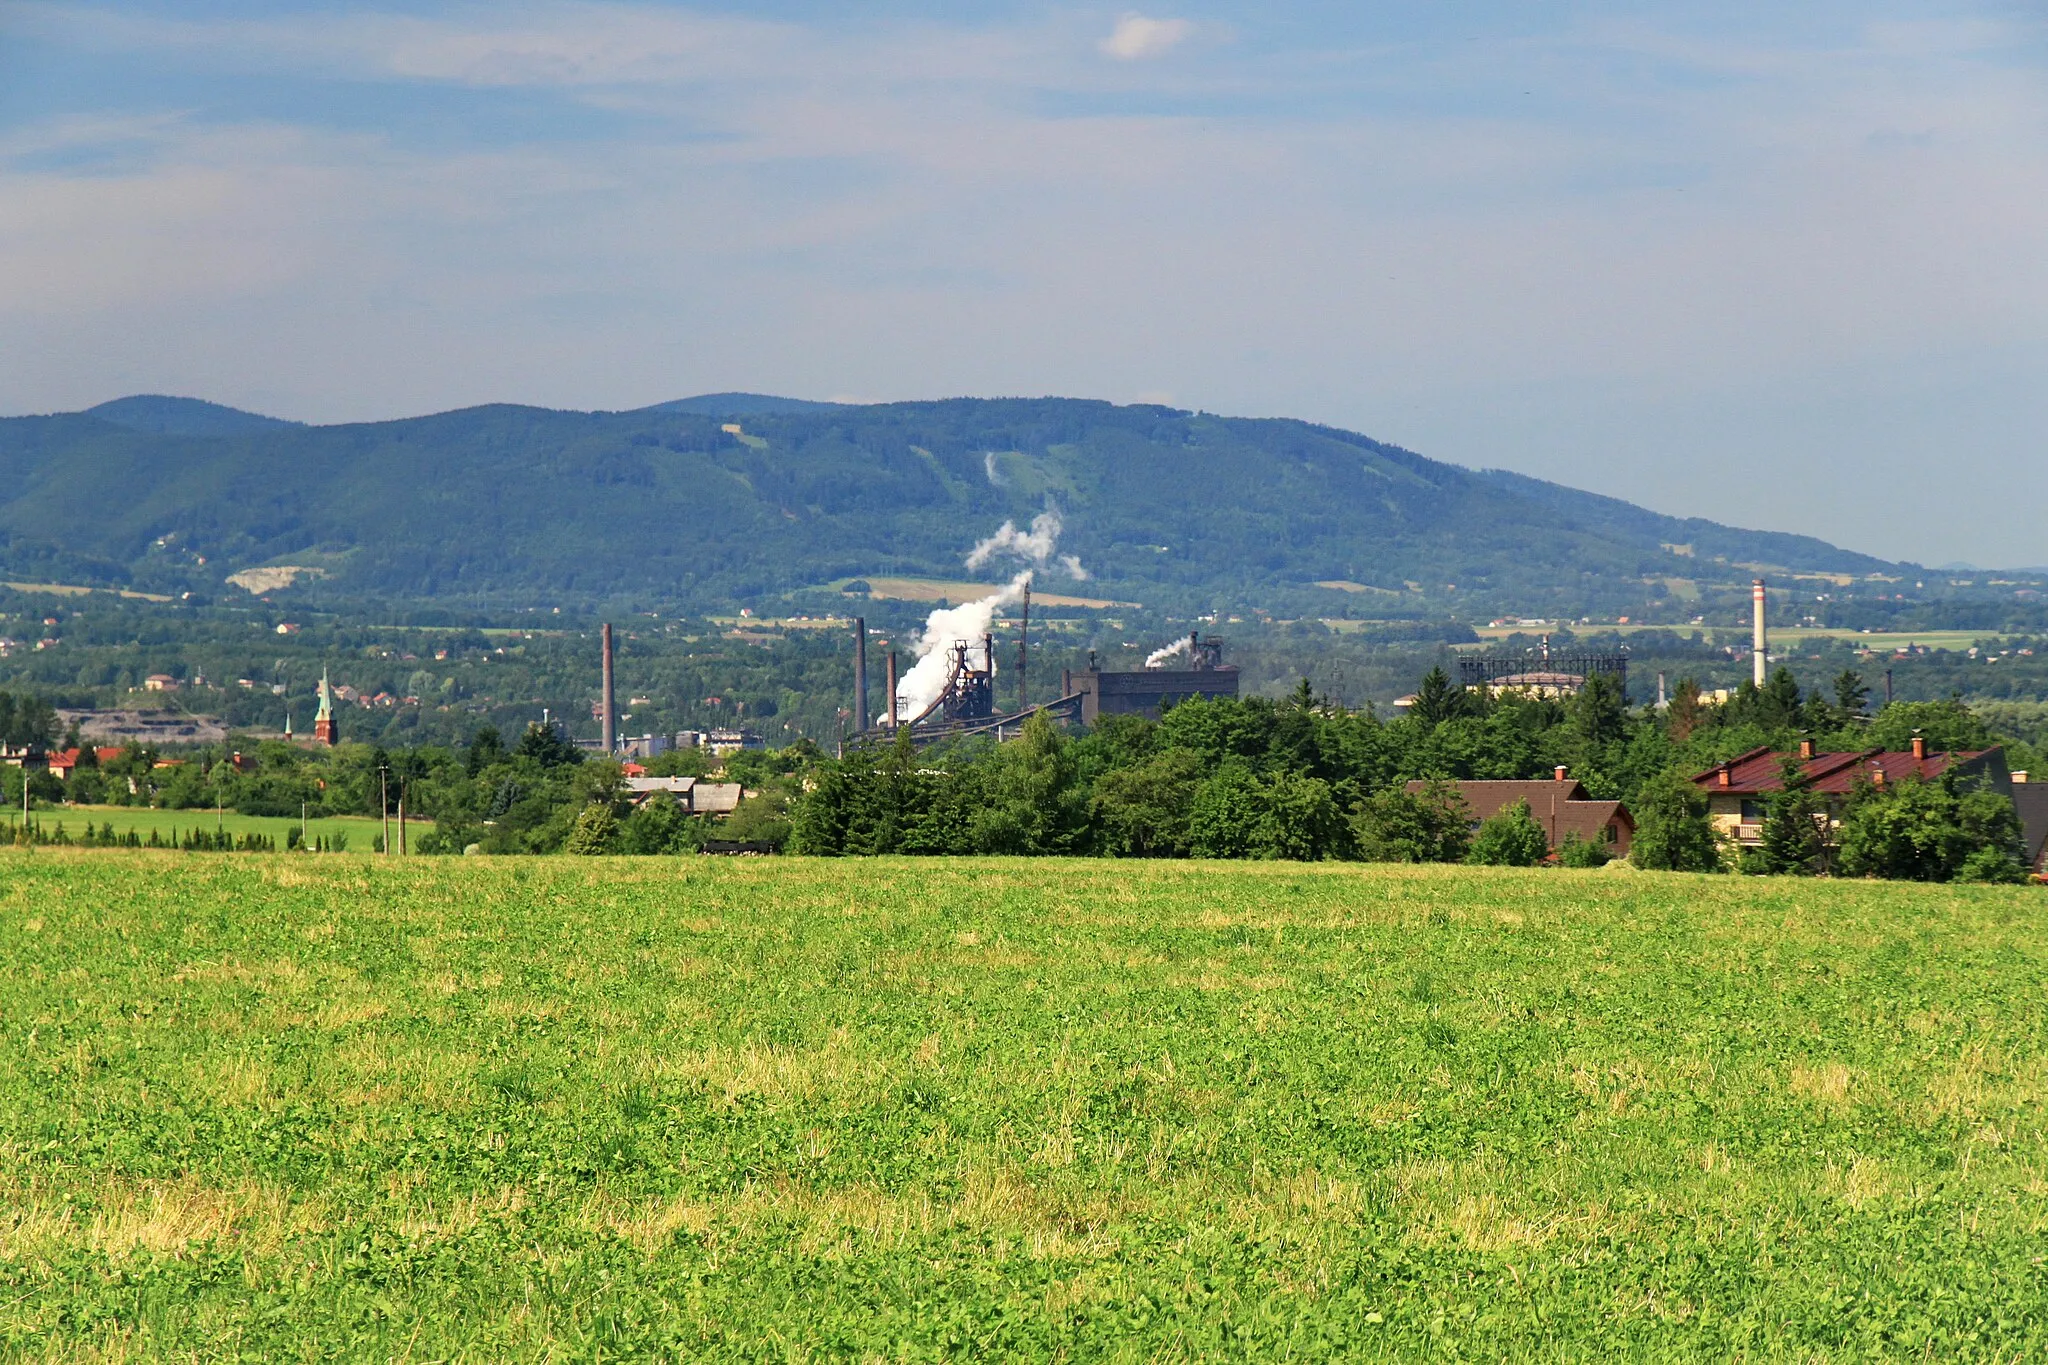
column 1759, row 647
column 860, row 675
column 611, row 697
column 1024, row 651
column 891, row 721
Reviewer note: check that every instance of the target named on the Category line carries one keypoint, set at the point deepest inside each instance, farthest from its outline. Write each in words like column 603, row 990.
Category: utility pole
column 384, row 804
column 401, row 817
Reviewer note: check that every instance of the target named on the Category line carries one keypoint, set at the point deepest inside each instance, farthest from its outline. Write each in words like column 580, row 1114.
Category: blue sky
column 1778, row 269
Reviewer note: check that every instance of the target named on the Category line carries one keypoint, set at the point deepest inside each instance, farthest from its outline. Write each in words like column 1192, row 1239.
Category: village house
column 1562, row 806
column 1739, row 790
column 694, row 795
column 62, row 764
column 2030, row 799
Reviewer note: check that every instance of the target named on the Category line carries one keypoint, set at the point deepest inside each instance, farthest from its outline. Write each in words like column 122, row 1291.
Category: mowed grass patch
column 779, row 1108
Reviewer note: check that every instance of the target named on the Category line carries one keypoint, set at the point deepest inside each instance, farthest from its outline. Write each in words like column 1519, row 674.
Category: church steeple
column 323, row 719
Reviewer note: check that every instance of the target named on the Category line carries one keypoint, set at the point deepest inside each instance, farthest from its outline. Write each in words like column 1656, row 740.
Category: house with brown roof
column 694, row 795
column 1739, row 790
column 2030, row 799
column 1562, row 806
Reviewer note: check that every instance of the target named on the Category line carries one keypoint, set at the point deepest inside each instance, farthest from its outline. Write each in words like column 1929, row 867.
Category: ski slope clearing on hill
column 733, row 499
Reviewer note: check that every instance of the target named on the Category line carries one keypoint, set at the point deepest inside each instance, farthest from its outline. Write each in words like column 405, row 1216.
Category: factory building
column 1149, row 691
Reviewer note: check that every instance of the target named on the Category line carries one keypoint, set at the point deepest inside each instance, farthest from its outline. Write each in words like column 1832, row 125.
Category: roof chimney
column 1726, row 781
column 1561, row 772
column 1919, row 746
column 1876, row 775
column 1806, row 748
column 2020, row 777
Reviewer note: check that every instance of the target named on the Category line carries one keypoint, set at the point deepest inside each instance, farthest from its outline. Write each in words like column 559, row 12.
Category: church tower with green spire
column 323, row 719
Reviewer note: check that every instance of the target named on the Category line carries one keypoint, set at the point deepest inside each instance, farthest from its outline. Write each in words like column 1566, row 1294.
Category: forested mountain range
column 733, row 499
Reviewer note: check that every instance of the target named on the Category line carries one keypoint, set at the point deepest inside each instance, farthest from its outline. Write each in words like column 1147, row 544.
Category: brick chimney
column 1876, row 775
column 1726, row 780
column 1806, row 748
column 1561, row 773
column 1919, row 746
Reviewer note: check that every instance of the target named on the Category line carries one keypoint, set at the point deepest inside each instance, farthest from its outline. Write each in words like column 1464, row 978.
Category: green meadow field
column 292, row 1108
column 359, row 830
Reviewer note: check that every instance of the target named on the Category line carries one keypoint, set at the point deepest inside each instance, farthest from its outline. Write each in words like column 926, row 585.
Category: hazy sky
column 1779, row 265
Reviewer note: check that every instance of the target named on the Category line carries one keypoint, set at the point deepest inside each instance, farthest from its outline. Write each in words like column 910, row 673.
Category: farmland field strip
column 1270, row 1076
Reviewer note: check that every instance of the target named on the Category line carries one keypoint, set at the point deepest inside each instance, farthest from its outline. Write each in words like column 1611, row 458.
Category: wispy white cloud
column 1136, row 37
column 907, row 210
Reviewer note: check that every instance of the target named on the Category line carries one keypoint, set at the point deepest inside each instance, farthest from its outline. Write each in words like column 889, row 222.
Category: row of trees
column 540, row 794
column 1299, row 778
column 1303, row 779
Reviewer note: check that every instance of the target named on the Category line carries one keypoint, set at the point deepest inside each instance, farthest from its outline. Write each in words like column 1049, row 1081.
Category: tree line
column 1298, row 778
column 1302, row 778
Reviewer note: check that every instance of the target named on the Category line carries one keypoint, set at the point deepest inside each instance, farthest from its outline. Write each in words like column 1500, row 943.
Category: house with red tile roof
column 1739, row 790
column 1561, row 805
column 62, row 763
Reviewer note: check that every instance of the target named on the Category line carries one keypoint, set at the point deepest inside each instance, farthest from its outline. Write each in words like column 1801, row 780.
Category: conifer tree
column 1437, row 700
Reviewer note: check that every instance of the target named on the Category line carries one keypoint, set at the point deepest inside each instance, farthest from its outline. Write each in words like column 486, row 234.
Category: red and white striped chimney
column 1759, row 652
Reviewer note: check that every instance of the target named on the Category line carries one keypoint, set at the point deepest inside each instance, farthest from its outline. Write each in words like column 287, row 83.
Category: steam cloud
column 1038, row 548
column 1160, row 656
column 921, row 686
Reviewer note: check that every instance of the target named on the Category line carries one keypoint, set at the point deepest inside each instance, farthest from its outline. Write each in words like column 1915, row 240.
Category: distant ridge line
column 742, row 405
column 160, row 414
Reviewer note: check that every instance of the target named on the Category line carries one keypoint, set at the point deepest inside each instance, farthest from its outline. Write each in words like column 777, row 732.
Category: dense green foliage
column 26, row 722
column 1509, row 838
column 665, row 507
column 1300, row 779
column 1931, row 832
column 1304, row 779
column 539, row 795
column 276, row 1108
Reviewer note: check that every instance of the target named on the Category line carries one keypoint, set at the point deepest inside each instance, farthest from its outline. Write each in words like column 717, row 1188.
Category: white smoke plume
column 926, row 680
column 1035, row 546
column 993, row 470
column 1160, row 656
column 933, row 646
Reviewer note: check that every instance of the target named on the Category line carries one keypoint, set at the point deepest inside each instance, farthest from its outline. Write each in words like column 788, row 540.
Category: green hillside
column 668, row 507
